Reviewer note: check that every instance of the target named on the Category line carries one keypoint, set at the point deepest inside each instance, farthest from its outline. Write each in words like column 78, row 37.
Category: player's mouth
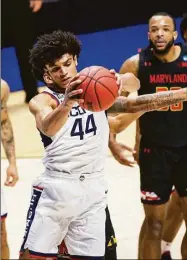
column 160, row 43
column 65, row 81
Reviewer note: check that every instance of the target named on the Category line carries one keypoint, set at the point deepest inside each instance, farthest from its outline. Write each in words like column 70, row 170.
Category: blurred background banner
column 110, row 31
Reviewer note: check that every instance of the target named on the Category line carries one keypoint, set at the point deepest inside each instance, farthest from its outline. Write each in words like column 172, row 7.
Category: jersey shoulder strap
column 59, row 97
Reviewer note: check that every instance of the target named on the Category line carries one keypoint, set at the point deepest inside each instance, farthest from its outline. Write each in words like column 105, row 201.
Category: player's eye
column 153, row 30
column 68, row 64
column 55, row 69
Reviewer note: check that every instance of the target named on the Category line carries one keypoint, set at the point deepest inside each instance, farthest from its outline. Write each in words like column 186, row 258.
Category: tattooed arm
column 128, row 69
column 7, row 137
column 148, row 102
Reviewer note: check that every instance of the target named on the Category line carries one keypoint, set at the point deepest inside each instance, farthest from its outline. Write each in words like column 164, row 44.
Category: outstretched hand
column 118, row 151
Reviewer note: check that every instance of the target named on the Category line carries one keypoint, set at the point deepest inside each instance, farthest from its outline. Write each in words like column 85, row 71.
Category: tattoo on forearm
column 159, row 100
column 120, row 106
column 7, row 137
column 148, row 102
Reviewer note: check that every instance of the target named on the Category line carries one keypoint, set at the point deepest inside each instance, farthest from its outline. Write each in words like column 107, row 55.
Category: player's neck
column 172, row 55
column 56, row 89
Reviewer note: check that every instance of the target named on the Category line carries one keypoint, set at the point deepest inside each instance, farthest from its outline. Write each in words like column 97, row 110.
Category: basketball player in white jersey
column 7, row 139
column 68, row 200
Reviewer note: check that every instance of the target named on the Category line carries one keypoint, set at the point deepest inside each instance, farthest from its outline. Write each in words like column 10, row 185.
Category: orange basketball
column 99, row 88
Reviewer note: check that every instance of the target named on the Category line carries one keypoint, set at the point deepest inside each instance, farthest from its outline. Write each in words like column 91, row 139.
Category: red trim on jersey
column 37, row 187
column 45, row 92
column 42, row 257
column 4, row 217
column 38, row 256
column 63, row 249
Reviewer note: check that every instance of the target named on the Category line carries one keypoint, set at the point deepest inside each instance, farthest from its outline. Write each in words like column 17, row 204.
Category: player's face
column 161, row 34
column 62, row 71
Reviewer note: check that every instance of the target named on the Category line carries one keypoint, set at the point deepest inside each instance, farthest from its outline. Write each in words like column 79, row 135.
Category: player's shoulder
column 131, row 65
column 134, row 59
column 5, row 90
column 40, row 101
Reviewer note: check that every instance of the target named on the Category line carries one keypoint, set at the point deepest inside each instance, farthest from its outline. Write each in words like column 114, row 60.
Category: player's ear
column 175, row 35
column 148, row 35
column 47, row 78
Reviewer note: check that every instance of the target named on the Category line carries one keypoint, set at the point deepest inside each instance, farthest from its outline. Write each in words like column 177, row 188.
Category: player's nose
column 160, row 32
column 63, row 71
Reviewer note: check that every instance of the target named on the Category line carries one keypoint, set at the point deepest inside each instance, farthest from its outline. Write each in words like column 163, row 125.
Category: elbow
column 46, row 130
column 49, row 133
column 119, row 127
column 116, row 129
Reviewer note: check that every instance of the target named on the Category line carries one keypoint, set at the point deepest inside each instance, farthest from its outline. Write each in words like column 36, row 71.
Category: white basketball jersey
column 81, row 144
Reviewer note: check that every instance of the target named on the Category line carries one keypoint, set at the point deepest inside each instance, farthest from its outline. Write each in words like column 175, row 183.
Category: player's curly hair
column 49, row 48
column 183, row 25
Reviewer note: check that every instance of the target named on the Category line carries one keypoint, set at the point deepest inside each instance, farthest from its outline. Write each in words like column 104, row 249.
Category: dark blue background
column 108, row 48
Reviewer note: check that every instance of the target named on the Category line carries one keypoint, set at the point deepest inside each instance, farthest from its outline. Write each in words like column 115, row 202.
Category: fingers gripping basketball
column 99, row 88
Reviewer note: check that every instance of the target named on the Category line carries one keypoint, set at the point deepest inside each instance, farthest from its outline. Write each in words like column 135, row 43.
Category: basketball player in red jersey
column 68, row 200
column 7, row 139
column 163, row 142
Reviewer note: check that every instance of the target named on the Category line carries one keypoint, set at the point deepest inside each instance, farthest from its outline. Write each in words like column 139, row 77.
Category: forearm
column 7, row 139
column 148, row 102
column 125, row 119
column 54, row 121
column 112, row 139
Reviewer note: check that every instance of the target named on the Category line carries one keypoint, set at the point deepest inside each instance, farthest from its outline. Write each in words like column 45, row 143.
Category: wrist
column 12, row 163
column 67, row 106
column 112, row 143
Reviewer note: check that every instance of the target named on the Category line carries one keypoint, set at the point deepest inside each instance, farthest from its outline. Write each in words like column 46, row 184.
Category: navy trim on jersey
column 41, row 254
column 3, row 216
column 53, row 96
column 46, row 140
column 31, row 213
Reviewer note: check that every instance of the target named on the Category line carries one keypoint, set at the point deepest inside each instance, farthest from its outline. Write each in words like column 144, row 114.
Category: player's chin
column 63, row 86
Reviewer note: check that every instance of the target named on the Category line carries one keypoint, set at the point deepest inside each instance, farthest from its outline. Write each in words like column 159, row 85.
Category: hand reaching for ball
column 72, row 94
column 127, row 82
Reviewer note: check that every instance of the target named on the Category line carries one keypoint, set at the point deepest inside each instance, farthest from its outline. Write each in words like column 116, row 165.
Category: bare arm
column 7, row 137
column 148, row 102
column 50, row 117
column 118, row 150
column 120, row 122
column 130, row 66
